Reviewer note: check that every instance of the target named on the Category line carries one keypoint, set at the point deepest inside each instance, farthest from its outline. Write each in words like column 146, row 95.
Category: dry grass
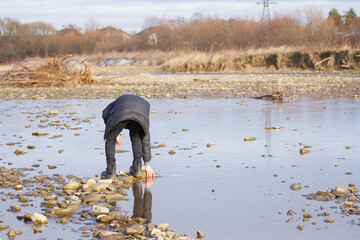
column 55, row 73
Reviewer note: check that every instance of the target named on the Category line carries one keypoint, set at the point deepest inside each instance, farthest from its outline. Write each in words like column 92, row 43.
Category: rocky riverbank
column 202, row 85
column 73, row 200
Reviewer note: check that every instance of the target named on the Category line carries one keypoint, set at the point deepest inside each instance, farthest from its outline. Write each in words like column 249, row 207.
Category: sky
column 131, row 15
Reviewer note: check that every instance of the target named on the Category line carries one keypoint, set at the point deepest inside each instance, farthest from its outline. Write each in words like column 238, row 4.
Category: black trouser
column 142, row 205
column 136, row 133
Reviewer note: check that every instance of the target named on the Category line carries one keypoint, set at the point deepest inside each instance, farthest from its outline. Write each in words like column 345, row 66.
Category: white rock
column 163, row 226
column 101, row 181
column 97, row 210
column 154, row 232
column 39, row 218
column 91, row 182
column 100, row 187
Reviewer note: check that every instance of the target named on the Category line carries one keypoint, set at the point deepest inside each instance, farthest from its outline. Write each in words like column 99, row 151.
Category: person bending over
column 129, row 112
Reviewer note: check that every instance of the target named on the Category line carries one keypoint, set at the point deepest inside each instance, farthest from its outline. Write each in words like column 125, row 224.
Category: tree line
column 310, row 30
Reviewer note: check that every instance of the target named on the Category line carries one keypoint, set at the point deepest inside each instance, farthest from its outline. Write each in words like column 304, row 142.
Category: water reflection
column 142, row 202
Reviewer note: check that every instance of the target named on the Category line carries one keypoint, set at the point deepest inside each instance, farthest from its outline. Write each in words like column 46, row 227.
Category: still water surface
column 227, row 190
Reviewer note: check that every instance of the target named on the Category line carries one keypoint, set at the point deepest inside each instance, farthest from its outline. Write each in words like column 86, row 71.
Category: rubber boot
column 135, row 169
column 109, row 173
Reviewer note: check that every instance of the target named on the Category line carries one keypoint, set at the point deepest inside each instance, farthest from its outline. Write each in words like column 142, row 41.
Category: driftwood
column 326, row 59
column 275, row 96
column 56, row 73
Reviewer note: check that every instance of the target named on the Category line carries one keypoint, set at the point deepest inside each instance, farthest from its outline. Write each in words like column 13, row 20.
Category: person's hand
column 119, row 142
column 149, row 172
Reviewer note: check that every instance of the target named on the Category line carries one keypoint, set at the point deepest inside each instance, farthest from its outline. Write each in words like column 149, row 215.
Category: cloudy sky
column 130, row 15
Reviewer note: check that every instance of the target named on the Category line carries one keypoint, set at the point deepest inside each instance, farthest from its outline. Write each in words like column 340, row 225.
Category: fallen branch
column 326, row 59
column 275, row 96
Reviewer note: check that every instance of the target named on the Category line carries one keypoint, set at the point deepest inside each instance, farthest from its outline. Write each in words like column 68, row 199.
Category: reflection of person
column 142, row 205
column 130, row 112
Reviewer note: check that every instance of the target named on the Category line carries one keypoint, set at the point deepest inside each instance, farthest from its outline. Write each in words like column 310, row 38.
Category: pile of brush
column 56, row 73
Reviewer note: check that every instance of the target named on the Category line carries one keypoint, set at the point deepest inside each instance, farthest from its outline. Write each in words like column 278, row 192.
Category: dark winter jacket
column 129, row 107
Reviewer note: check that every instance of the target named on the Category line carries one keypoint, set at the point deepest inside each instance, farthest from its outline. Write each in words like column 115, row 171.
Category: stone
column 39, row 134
column 135, row 229
column 39, row 218
column 97, row 210
column 73, row 186
column 27, row 217
column 151, row 226
column 115, row 198
column 248, row 139
column 18, row 187
column 91, row 182
column 340, row 191
column 199, row 234
column 172, row 152
column 15, row 208
column 4, row 227
column 92, row 198
column 11, row 234
column 329, row 220
column 107, row 235
column 154, row 232
column 53, row 113
column 102, row 181
column 163, row 226
column 128, row 179
column 52, row 197
column 295, row 186
column 304, row 151
column 106, row 219
column 100, row 187
column 300, row 227
column 65, row 211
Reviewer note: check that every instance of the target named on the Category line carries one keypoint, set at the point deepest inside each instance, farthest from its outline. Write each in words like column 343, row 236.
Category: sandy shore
column 200, row 85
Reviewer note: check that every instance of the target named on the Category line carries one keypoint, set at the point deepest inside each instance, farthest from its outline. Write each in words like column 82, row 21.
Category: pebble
column 172, row 152
column 92, row 198
column 304, row 151
column 11, row 234
column 154, row 231
column 97, row 210
column 247, row 139
column 135, row 229
column 39, row 134
column 199, row 234
column 295, row 186
column 163, row 226
column 15, row 208
column 329, row 220
column 18, row 187
column 4, row 227
column 73, row 186
column 39, row 218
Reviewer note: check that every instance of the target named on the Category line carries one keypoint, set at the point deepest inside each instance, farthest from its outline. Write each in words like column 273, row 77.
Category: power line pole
column 266, row 11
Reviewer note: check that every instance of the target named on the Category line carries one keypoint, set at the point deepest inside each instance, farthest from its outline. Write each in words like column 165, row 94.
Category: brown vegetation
column 199, row 34
column 55, row 73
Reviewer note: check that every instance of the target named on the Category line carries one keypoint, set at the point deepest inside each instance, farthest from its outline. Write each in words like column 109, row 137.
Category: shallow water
column 239, row 199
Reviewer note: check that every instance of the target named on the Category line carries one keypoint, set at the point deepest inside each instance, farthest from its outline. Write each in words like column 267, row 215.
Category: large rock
column 107, row 235
column 100, row 187
column 97, row 210
column 135, row 229
column 72, row 186
column 39, row 218
column 92, row 198
column 115, row 197
column 163, row 226
column 340, row 191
